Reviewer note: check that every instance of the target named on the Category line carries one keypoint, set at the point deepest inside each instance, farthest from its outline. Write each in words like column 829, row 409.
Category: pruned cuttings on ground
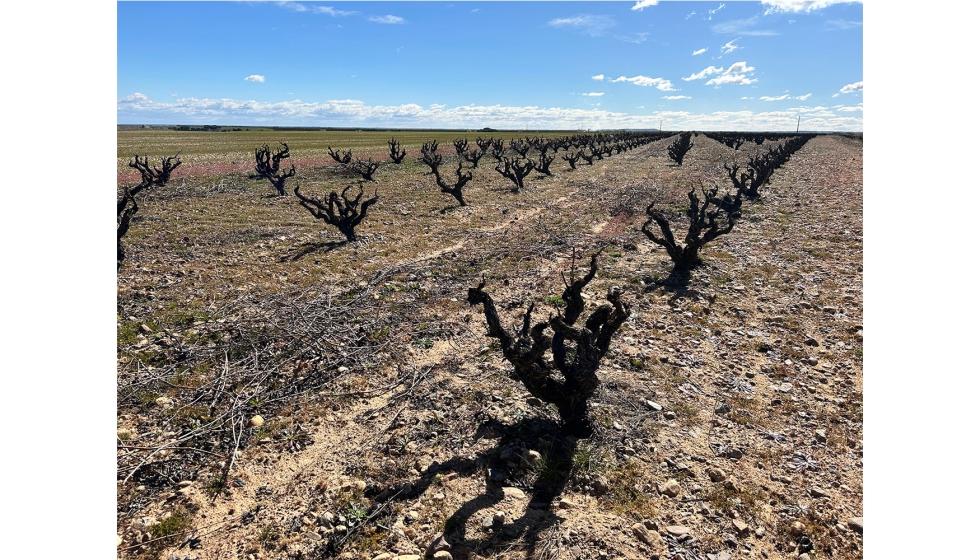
column 254, row 357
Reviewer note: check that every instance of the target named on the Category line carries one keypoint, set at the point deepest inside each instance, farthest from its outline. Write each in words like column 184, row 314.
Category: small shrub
column 177, row 523
column 708, row 219
column 430, row 157
column 626, row 494
column 127, row 207
column 395, row 151
column 474, row 156
column 269, row 537
column 267, row 165
column 569, row 379
column 571, row 157
column 364, row 168
column 679, row 148
column 688, row 415
column 456, row 189
column 341, row 157
column 555, row 300
column 516, row 170
column 734, row 497
column 339, row 210
column 544, row 163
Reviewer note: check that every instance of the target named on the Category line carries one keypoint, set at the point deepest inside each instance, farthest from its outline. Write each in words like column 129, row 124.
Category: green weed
column 269, row 537
column 626, row 496
column 555, row 300
column 177, row 523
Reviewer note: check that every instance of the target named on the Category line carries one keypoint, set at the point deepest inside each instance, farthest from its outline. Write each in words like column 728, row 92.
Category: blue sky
column 692, row 65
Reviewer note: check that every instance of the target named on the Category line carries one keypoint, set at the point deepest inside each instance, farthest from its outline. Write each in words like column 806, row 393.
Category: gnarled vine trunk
column 568, row 380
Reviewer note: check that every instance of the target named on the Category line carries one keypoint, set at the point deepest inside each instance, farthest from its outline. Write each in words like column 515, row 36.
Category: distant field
column 214, row 153
column 156, row 142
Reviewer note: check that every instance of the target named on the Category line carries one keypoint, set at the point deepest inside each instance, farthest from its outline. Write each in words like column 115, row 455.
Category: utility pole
column 797, row 124
column 661, row 125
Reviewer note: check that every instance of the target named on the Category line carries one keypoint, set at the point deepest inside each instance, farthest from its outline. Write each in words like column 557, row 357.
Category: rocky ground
column 286, row 395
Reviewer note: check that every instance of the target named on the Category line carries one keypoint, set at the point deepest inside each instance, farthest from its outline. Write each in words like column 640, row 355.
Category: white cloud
column 720, row 6
column 771, row 98
column 386, row 19
column 741, row 27
column 676, row 97
column 730, row 46
column 852, row 88
column 818, row 111
column 735, row 74
column 637, row 38
column 591, row 25
column 843, row 24
column 739, row 68
column 295, row 6
column 595, row 94
column 254, row 78
column 301, row 7
column 737, row 79
column 796, row 6
column 704, row 73
column 661, row 83
column 598, row 77
column 699, row 51
column 743, row 97
column 644, row 4
column 331, row 11
column 803, row 97
column 141, row 108
column 138, row 108
column 849, row 109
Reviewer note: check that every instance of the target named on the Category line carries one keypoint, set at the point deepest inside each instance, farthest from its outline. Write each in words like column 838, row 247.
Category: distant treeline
column 219, row 128
column 772, row 135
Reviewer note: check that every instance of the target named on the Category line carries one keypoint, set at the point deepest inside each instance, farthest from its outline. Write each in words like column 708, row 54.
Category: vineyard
column 408, row 345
